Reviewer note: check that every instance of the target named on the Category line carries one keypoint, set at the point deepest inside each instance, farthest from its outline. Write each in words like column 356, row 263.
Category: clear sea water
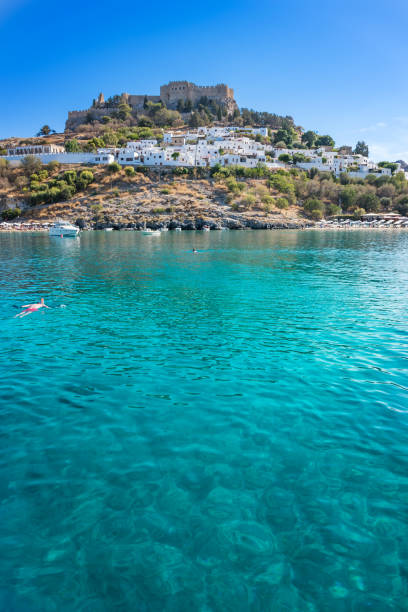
column 219, row 432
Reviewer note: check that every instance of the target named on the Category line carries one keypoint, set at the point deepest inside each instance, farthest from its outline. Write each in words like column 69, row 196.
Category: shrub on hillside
column 130, row 171
column 84, row 179
column 113, row 168
column 402, row 205
column 53, row 166
column 267, row 199
column 282, row 203
column 281, row 183
column 285, row 158
column 314, row 208
column 358, row 213
column 31, row 164
column 248, row 200
column 333, row 209
column 10, row 213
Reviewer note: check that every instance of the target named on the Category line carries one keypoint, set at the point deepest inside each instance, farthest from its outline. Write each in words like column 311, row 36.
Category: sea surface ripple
column 223, row 431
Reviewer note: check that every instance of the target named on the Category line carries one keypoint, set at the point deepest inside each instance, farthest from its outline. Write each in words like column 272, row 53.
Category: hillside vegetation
column 100, row 195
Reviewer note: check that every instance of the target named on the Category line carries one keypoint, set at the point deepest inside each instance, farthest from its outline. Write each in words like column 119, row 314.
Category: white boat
column 108, row 229
column 150, row 232
column 206, row 228
column 63, row 228
column 177, row 229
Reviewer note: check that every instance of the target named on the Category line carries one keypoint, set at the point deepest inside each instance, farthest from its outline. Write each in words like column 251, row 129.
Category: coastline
column 9, row 227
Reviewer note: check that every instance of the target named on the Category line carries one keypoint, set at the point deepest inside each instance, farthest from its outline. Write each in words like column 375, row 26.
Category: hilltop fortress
column 170, row 94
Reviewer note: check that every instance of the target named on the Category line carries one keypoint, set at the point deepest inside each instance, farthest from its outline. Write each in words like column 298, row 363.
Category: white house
column 67, row 158
column 36, row 150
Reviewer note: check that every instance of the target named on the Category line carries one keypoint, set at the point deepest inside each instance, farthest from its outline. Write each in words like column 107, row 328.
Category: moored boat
column 63, row 228
column 150, row 232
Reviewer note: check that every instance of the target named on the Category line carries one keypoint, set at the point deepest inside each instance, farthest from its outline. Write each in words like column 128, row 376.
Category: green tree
column 130, row 171
column 284, row 157
column 361, row 148
column 282, row 183
column 45, row 131
column 175, row 155
column 309, row 138
column 333, row 209
column 325, row 141
column 165, row 117
column 70, row 177
column 348, row 196
column 85, row 178
column 299, row 158
column 386, row 191
column 124, row 111
column 399, row 181
column 67, row 192
column 110, row 138
column 285, row 135
column 391, row 165
column 314, row 204
column 72, row 146
column 402, row 205
column 93, row 145
column 145, row 122
column 196, row 120
column 369, row 201
column 10, row 213
column 146, row 134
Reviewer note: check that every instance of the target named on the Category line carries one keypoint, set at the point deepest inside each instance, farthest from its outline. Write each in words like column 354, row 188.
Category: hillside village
column 207, row 147
column 274, row 174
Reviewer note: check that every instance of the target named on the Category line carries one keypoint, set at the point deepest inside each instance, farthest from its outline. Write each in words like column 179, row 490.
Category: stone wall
column 184, row 90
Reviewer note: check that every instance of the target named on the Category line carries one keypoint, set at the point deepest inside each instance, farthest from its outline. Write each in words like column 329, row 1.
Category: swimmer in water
column 194, row 250
column 31, row 308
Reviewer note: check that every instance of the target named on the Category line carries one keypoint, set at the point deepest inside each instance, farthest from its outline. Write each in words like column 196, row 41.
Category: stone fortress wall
column 183, row 90
column 170, row 94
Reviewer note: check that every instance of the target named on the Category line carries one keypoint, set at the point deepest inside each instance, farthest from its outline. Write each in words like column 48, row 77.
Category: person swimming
column 31, row 308
column 195, row 250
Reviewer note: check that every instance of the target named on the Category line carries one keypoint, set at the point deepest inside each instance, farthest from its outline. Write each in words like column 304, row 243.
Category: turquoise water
column 225, row 431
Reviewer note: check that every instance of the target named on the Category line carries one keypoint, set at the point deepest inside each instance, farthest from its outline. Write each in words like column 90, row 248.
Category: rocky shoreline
column 229, row 224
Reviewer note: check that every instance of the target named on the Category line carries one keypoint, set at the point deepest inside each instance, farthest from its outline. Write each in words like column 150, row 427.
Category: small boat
column 150, row 232
column 177, row 229
column 108, row 229
column 206, row 228
column 63, row 228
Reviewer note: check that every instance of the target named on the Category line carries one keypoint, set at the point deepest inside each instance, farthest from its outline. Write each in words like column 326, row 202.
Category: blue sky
column 337, row 67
